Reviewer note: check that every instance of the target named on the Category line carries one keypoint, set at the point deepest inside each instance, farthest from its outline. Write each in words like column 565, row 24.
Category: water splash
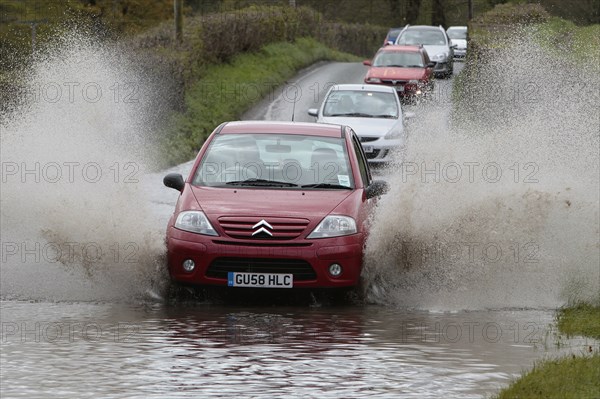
column 500, row 208
column 76, row 223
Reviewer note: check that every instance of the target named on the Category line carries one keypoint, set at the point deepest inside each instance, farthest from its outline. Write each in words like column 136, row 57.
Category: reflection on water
column 154, row 350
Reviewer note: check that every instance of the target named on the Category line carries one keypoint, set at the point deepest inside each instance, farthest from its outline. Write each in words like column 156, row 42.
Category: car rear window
column 457, row 34
column 425, row 37
column 401, row 59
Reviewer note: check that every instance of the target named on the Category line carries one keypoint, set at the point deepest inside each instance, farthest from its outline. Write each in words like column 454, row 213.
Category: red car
column 407, row 68
column 273, row 205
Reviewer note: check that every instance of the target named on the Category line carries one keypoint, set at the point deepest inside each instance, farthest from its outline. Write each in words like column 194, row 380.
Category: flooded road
column 115, row 350
column 83, row 308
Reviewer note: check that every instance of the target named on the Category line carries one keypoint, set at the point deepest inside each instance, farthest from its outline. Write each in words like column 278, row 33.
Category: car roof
column 423, row 27
column 457, row 28
column 397, row 47
column 364, row 87
column 281, row 127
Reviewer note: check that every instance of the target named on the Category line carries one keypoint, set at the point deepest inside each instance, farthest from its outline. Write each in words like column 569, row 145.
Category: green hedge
column 215, row 38
column 511, row 14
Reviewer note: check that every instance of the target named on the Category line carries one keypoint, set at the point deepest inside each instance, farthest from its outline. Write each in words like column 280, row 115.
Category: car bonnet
column 396, row 73
column 434, row 50
column 366, row 127
column 257, row 201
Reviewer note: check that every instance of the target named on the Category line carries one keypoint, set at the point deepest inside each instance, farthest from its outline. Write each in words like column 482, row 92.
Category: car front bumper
column 405, row 89
column 380, row 150
column 441, row 68
column 307, row 260
column 460, row 53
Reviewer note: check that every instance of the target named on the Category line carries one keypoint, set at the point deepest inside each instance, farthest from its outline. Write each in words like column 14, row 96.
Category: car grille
column 377, row 154
column 301, row 269
column 368, row 139
column 243, row 227
column 371, row 155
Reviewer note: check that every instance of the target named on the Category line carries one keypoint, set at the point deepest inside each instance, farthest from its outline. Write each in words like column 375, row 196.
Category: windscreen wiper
column 326, row 185
column 387, row 116
column 359, row 114
column 261, row 183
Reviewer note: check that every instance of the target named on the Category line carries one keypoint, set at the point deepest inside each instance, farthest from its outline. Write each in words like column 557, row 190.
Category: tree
column 438, row 17
column 412, row 10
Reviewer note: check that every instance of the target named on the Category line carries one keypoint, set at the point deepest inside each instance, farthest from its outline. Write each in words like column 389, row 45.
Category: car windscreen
column 393, row 34
column 425, row 37
column 457, row 34
column 361, row 104
column 270, row 160
column 400, row 59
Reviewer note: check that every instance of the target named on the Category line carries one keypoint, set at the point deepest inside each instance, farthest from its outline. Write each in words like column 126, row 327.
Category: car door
column 363, row 165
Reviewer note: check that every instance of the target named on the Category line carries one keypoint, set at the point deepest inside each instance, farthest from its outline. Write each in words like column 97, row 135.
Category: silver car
column 458, row 36
column 437, row 44
column 372, row 111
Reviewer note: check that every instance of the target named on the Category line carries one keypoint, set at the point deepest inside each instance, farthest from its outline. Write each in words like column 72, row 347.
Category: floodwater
column 462, row 276
column 116, row 350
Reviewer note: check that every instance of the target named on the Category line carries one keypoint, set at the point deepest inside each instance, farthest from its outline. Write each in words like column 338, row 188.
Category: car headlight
column 373, row 80
column 334, row 226
column 195, row 222
column 440, row 57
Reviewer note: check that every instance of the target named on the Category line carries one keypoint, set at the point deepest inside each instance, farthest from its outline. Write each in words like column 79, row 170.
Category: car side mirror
column 313, row 112
column 377, row 188
column 174, row 180
column 367, row 62
column 431, row 64
column 389, row 43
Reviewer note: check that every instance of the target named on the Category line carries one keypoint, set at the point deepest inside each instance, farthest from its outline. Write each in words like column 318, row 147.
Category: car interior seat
column 324, row 161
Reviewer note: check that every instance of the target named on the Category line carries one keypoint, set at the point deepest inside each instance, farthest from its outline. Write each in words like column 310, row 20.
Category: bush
column 511, row 14
column 216, row 38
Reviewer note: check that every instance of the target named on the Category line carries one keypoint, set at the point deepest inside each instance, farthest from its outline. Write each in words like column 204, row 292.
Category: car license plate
column 260, row 280
column 368, row 149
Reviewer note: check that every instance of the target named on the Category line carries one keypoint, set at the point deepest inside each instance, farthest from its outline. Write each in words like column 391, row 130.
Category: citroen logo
column 394, row 82
column 262, row 224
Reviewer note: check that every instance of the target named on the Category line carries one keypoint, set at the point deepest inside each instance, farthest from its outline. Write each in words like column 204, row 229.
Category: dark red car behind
column 272, row 205
column 407, row 68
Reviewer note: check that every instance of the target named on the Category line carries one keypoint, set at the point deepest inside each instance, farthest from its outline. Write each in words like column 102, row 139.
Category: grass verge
column 581, row 319
column 568, row 377
column 564, row 38
column 225, row 91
